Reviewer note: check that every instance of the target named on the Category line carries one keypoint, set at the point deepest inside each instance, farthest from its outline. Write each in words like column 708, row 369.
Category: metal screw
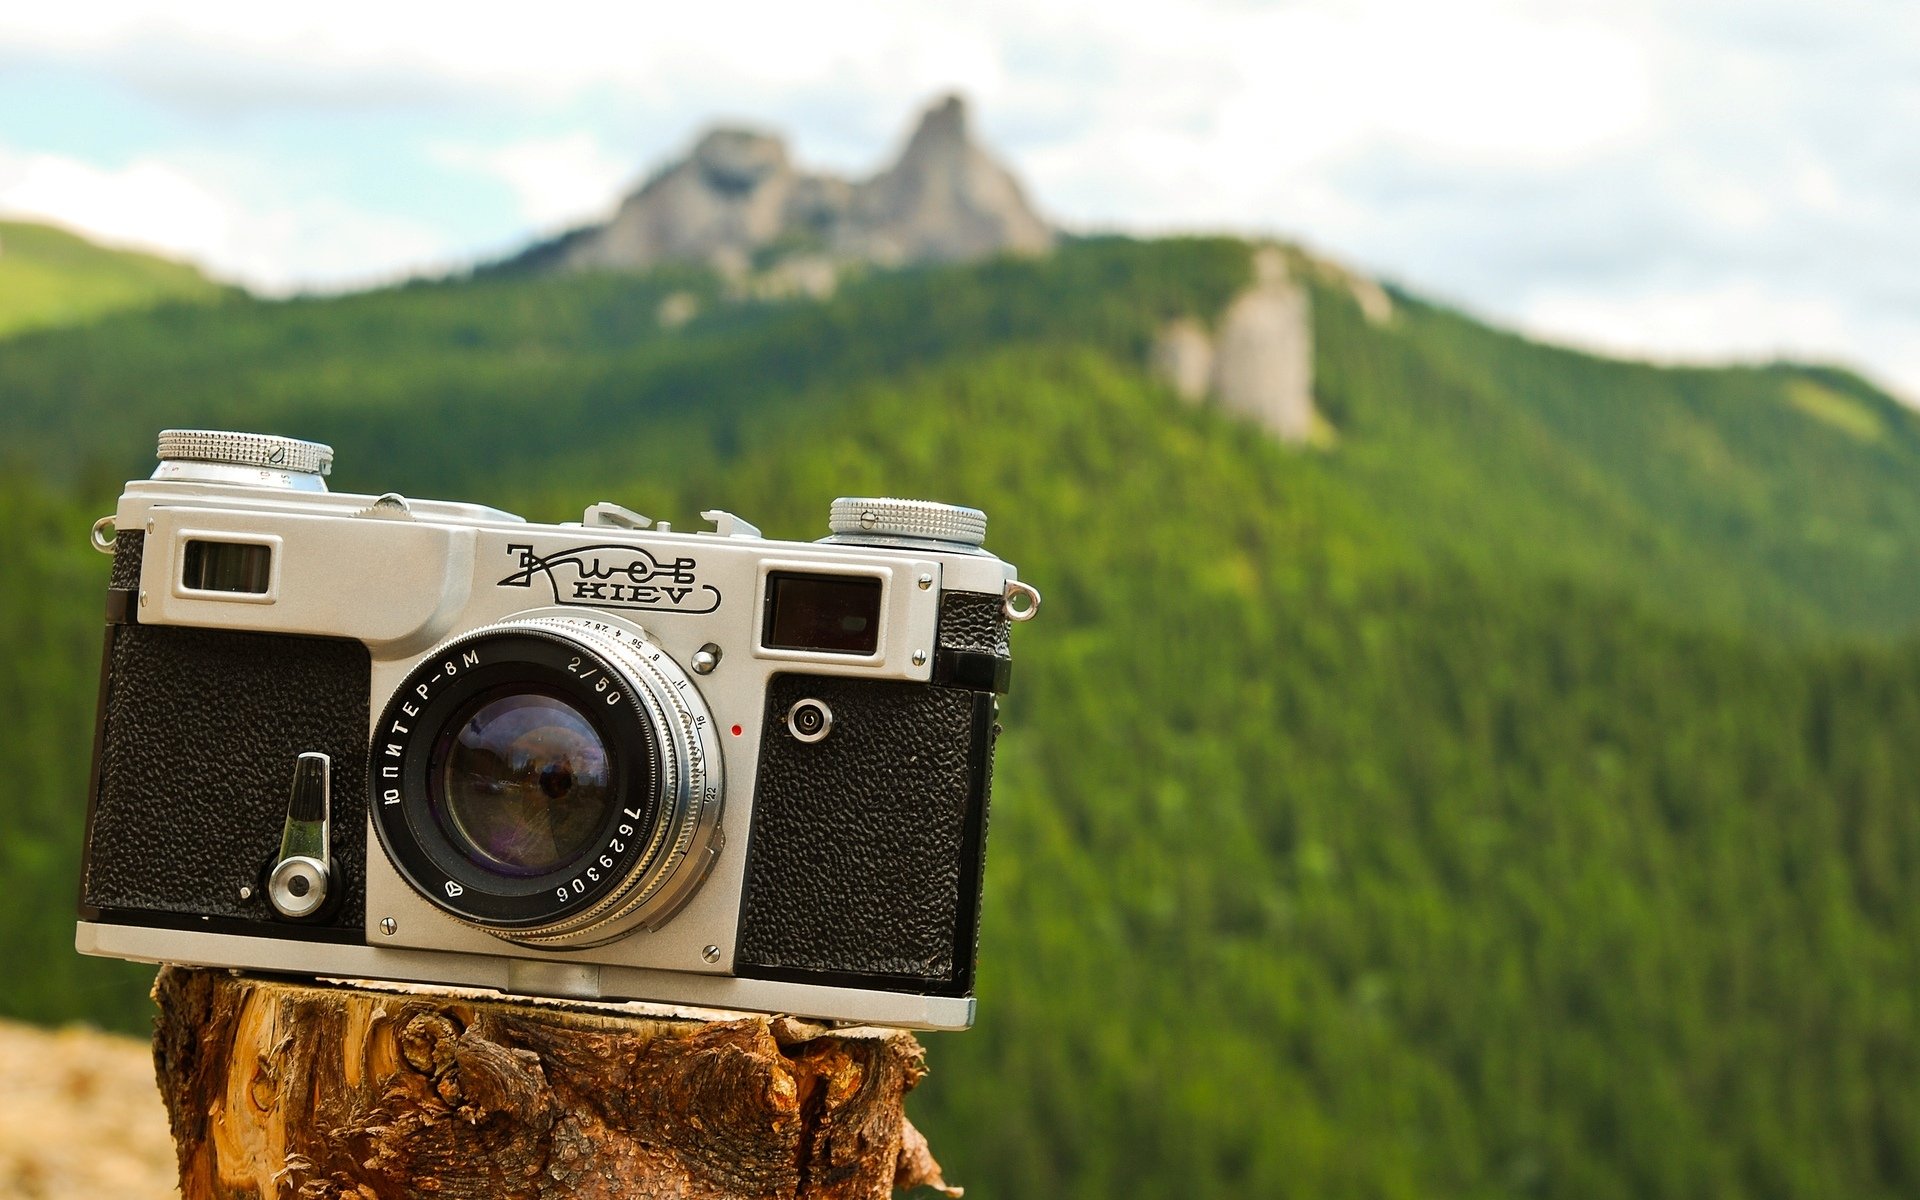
column 919, row 658
column 246, row 893
column 925, row 582
column 705, row 659
column 711, row 954
column 388, row 926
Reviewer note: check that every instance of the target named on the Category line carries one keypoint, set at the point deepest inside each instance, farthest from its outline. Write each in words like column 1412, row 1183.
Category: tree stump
column 279, row 1088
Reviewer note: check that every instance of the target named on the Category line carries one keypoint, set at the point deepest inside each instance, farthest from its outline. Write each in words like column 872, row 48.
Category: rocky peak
column 738, row 193
column 733, row 162
column 947, row 120
column 945, row 198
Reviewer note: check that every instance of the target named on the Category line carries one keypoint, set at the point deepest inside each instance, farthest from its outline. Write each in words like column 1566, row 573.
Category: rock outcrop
column 1259, row 362
column 945, row 198
column 738, row 200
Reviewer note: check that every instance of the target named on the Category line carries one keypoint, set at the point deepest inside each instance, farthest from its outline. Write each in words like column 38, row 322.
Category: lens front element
column 523, row 784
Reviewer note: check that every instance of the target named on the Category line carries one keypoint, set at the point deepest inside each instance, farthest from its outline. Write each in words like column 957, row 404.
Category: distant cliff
column 738, row 202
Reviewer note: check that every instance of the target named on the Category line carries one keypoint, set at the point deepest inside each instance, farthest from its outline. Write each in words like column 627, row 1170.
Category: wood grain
column 278, row 1088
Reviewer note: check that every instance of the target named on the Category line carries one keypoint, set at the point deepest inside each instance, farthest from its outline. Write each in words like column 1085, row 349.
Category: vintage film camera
column 375, row 737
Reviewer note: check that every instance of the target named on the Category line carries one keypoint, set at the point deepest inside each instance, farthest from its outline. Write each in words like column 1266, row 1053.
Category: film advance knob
column 855, row 517
column 259, row 450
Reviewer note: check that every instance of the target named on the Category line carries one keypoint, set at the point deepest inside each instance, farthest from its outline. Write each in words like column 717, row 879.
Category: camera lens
column 523, row 785
column 554, row 781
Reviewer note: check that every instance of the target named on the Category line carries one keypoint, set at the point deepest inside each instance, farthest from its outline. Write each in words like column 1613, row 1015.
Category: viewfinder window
column 833, row 614
column 240, row 567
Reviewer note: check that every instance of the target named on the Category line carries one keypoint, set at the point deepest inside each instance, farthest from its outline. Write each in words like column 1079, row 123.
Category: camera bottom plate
column 533, row 977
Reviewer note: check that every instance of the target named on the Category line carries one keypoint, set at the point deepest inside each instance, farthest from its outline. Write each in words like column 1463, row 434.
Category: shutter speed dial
column 255, row 459
column 883, row 519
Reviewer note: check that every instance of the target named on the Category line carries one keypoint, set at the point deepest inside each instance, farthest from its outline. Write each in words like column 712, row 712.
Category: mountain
column 1509, row 793
column 51, row 277
column 737, row 200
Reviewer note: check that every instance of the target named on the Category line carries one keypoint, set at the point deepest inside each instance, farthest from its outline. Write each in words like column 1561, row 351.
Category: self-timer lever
column 297, row 887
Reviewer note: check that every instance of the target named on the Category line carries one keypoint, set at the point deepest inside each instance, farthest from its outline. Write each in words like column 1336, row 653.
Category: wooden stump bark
column 277, row 1088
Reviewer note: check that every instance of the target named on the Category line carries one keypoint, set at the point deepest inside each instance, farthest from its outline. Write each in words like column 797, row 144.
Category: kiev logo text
column 610, row 576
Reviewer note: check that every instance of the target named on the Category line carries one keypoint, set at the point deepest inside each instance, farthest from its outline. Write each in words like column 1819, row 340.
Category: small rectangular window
column 240, row 567
column 832, row 614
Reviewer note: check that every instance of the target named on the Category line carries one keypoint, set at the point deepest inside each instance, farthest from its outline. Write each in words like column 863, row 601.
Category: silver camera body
column 376, row 737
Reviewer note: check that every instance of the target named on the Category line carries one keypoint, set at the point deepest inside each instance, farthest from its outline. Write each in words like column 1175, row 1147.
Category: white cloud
column 565, row 47
column 1741, row 317
column 146, row 204
column 557, row 182
column 1481, row 76
column 1675, row 176
column 273, row 243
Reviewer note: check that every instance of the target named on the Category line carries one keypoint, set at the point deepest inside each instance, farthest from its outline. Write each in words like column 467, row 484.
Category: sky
column 1676, row 179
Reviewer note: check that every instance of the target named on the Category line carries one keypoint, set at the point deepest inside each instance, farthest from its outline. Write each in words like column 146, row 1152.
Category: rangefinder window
column 832, row 614
column 241, row 567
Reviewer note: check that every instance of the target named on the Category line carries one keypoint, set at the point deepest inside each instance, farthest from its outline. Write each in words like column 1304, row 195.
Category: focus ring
column 245, row 450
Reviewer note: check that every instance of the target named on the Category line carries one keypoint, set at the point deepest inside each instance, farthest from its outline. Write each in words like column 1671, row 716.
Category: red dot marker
column 736, row 731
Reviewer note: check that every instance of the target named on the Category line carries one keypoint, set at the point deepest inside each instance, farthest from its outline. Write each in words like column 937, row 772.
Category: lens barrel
column 551, row 780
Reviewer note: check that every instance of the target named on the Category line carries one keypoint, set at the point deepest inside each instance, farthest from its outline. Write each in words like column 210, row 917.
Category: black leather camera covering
column 975, row 621
column 865, row 857
column 127, row 545
column 863, row 867
column 199, row 732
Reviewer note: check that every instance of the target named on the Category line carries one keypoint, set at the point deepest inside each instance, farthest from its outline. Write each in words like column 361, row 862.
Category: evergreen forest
column 1518, row 795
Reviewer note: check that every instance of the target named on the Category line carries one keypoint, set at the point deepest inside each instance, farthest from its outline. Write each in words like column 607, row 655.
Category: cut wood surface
column 277, row 1088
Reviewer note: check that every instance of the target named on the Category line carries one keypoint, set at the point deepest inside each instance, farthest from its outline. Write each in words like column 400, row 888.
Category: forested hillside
column 1514, row 799
column 51, row 277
